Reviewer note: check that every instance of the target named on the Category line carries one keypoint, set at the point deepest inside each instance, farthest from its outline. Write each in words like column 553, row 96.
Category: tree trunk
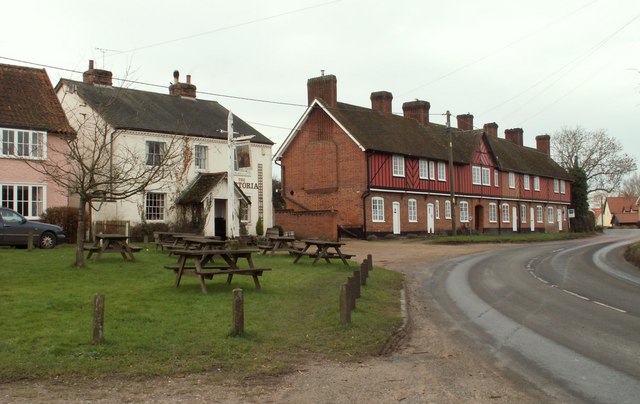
column 80, row 236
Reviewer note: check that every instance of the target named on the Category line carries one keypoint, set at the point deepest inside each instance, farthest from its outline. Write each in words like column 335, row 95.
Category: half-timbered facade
column 382, row 173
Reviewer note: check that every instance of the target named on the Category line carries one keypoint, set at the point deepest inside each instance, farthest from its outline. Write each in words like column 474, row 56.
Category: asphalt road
column 566, row 316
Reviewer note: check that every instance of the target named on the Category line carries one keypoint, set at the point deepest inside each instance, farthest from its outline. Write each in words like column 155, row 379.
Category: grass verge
column 632, row 254
column 153, row 328
column 507, row 238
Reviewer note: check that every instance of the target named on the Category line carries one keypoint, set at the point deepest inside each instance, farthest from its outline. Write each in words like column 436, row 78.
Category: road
column 564, row 315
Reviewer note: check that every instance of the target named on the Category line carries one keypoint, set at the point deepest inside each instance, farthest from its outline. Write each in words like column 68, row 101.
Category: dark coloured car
column 15, row 228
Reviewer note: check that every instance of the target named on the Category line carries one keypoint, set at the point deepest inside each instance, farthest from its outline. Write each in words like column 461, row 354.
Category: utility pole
column 231, row 178
column 451, row 181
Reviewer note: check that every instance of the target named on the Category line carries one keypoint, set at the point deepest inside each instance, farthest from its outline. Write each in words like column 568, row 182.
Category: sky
column 538, row 65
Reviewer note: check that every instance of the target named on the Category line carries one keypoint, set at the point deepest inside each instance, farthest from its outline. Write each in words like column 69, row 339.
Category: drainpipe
column 365, row 195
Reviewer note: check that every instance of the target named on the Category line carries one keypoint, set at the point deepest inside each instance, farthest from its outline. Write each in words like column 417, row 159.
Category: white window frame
column 447, row 209
column 432, row 170
column 493, row 213
column 536, row 183
column 556, row 186
column 442, row 171
column 23, row 144
column 412, row 210
column 550, row 213
column 523, row 214
column 539, row 218
column 563, row 188
column 398, row 165
column 527, row 182
column 424, row 169
column 245, row 215
column 155, row 213
column 464, row 211
column 153, row 157
column 476, row 178
column 512, row 180
column 377, row 209
column 437, row 209
column 27, row 199
column 201, row 157
column 505, row 211
column 486, row 176
column 496, row 178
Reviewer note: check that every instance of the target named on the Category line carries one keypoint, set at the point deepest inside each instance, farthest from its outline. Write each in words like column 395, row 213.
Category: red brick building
column 367, row 171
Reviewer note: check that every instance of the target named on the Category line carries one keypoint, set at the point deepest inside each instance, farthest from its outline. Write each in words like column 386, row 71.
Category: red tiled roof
column 28, row 101
column 619, row 204
column 625, row 218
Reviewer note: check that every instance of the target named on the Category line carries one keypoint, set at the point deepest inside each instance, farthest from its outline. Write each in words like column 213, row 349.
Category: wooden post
column 364, row 273
column 146, row 240
column 238, row 312
column 345, row 309
column 370, row 262
column 352, row 292
column 30, row 241
column 357, row 282
column 98, row 319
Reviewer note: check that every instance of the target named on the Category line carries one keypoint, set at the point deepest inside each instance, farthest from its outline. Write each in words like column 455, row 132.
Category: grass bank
column 632, row 254
column 507, row 238
column 153, row 328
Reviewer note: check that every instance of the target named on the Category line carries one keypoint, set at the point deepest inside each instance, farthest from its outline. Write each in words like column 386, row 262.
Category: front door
column 430, row 219
column 559, row 219
column 533, row 226
column 396, row 218
column 514, row 213
column 478, row 218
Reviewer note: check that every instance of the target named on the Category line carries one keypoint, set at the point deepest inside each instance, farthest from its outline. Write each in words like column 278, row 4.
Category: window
column 486, row 176
column 377, row 209
column 432, row 170
column 245, row 213
column 475, row 175
column 28, row 200
column 539, row 214
column 442, row 169
column 154, row 206
column 527, row 185
column 512, row 180
column 493, row 213
column 464, row 211
column 550, row 214
column 562, row 187
column 201, row 157
column 505, row 213
column 23, row 143
column 536, row 183
column 437, row 209
column 398, row 166
column 447, row 209
column 424, row 169
column 155, row 153
column 523, row 213
column 413, row 210
column 496, row 178
column 556, row 186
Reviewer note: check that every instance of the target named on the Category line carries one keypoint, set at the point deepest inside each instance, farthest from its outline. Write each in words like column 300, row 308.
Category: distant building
column 621, row 211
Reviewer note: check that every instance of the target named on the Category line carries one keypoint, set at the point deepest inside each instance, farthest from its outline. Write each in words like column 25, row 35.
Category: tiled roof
column 397, row 134
column 619, row 204
column 125, row 108
column 202, row 185
column 28, row 101
column 625, row 218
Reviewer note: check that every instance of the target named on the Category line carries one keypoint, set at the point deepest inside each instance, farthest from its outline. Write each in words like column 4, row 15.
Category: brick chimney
column 323, row 87
column 97, row 76
column 418, row 110
column 465, row 121
column 182, row 89
column 381, row 101
column 514, row 135
column 491, row 129
column 543, row 144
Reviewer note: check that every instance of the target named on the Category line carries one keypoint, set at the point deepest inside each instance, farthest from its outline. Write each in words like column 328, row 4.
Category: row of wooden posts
column 350, row 291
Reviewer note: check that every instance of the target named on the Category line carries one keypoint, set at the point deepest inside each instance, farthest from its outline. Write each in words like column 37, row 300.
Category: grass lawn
column 153, row 328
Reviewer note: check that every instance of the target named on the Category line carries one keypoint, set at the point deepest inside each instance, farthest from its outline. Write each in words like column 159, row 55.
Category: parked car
column 15, row 228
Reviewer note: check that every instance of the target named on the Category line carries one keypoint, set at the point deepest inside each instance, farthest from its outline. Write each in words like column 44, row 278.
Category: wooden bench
column 209, row 272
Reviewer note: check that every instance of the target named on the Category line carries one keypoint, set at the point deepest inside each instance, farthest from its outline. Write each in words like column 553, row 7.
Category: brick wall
column 309, row 224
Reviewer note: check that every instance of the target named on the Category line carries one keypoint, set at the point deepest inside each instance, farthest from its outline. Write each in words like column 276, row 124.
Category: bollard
column 352, row 292
column 146, row 241
column 370, row 262
column 357, row 282
column 30, row 241
column 364, row 273
column 345, row 309
column 238, row 312
column 98, row 319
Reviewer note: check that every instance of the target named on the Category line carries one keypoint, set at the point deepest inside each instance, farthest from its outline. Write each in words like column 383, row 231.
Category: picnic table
column 109, row 243
column 203, row 267
column 278, row 243
column 321, row 249
column 202, row 243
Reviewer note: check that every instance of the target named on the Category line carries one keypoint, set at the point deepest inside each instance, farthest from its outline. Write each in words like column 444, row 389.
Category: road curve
column 565, row 315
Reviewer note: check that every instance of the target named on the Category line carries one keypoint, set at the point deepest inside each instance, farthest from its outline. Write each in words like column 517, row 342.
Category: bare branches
column 600, row 156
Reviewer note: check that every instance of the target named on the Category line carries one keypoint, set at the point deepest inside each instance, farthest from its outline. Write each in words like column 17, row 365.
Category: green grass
column 153, row 328
column 506, row 238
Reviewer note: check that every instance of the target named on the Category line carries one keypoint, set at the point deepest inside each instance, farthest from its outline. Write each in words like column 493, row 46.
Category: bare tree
column 103, row 164
column 631, row 185
column 600, row 156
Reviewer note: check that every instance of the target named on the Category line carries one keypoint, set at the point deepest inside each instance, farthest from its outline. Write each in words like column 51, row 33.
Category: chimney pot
column 182, row 89
column 465, row 121
column 97, row 76
column 188, row 79
column 381, row 101
column 90, row 64
column 543, row 144
column 324, row 88
column 418, row 110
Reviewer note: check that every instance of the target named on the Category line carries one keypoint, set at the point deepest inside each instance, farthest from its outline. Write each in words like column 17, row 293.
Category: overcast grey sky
column 539, row 65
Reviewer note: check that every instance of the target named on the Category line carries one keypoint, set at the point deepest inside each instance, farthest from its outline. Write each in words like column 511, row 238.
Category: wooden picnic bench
column 110, row 243
column 321, row 249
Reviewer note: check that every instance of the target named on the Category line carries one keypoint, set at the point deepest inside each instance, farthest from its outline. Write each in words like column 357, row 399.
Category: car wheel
column 47, row 240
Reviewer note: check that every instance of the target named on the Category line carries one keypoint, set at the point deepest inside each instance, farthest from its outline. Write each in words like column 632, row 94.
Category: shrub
column 259, row 227
column 146, row 229
column 65, row 217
